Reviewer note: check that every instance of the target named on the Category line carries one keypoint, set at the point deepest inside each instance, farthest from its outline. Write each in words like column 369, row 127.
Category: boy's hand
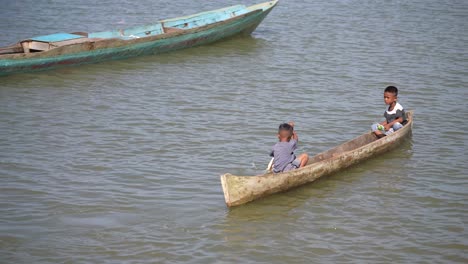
column 291, row 123
column 294, row 136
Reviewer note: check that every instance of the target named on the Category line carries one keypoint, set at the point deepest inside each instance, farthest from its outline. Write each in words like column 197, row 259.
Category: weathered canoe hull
column 98, row 50
column 242, row 189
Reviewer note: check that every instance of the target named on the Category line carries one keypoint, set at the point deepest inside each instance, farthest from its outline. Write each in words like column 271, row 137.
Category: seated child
column 283, row 151
column 395, row 116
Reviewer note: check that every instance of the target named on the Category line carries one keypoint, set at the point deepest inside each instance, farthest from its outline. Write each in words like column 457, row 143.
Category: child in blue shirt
column 395, row 116
column 283, row 151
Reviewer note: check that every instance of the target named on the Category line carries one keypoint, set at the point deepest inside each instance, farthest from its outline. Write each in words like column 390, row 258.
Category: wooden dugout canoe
column 243, row 189
column 65, row 49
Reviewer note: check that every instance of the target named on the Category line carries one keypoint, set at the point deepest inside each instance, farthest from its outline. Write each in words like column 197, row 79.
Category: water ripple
column 120, row 161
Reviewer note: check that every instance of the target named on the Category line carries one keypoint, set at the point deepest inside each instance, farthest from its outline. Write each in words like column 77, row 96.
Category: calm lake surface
column 119, row 162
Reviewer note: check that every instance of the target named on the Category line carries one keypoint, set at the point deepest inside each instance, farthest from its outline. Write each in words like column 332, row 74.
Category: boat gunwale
column 384, row 143
column 108, row 43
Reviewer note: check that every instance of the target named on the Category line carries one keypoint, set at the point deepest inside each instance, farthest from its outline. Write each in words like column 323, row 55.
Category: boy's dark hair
column 391, row 89
column 285, row 127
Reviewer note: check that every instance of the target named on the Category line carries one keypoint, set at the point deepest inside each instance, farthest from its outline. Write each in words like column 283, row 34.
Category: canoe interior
column 348, row 146
column 48, row 42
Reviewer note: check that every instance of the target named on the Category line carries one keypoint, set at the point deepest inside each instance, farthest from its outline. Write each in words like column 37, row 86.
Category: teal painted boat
column 65, row 49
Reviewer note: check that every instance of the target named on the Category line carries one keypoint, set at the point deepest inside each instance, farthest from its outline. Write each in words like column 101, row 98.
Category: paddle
column 270, row 165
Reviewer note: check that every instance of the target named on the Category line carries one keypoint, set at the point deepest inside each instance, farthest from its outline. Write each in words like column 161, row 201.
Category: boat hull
column 99, row 50
column 243, row 189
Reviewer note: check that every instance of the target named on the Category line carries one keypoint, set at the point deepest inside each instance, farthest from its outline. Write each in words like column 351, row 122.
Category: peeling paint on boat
column 67, row 49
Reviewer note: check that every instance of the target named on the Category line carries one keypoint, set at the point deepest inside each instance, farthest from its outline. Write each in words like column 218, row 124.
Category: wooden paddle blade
column 270, row 165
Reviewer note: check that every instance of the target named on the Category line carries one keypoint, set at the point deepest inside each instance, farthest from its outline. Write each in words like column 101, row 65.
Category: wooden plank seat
column 48, row 42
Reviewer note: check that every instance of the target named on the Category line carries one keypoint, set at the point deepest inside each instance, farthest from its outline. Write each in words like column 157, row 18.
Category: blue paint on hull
column 113, row 49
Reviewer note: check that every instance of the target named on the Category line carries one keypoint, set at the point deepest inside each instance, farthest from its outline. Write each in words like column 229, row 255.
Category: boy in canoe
column 395, row 116
column 283, row 151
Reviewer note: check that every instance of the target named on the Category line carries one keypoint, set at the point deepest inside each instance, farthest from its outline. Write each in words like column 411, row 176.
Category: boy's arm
column 294, row 135
column 384, row 124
